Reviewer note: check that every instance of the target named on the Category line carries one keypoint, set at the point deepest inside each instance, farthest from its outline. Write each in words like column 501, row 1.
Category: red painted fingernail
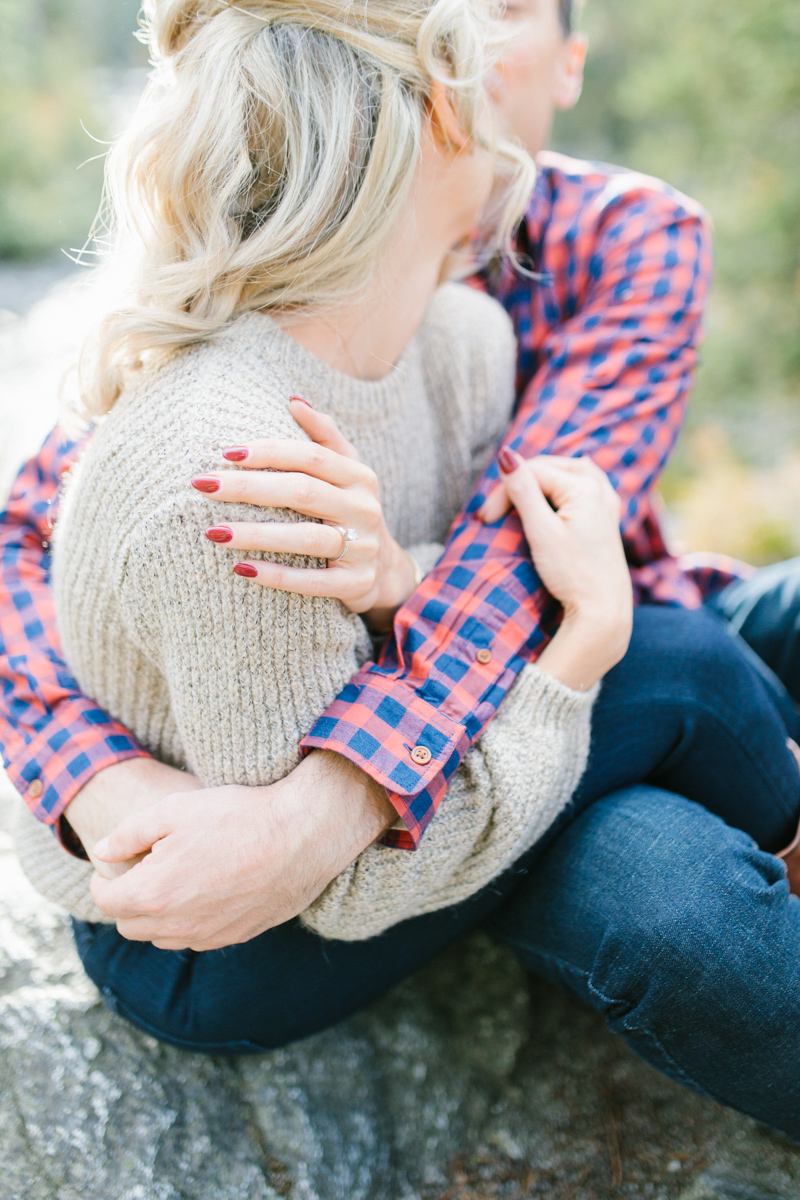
column 206, row 483
column 300, row 400
column 236, row 453
column 219, row 533
column 506, row 461
column 245, row 570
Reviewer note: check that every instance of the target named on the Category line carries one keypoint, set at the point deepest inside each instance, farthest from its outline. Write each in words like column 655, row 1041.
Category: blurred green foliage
column 49, row 52
column 707, row 95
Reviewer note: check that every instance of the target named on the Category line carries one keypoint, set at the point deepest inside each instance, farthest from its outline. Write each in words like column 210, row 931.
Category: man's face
column 540, row 71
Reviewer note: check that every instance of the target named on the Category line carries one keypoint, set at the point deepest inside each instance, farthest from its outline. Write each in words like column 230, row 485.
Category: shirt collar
column 538, row 209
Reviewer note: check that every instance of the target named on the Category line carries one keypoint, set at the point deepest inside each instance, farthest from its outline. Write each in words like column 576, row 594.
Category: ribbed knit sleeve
column 215, row 673
column 248, row 668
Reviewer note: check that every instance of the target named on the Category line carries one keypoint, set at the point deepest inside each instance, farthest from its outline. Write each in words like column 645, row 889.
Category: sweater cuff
column 545, row 700
column 426, row 555
column 412, row 750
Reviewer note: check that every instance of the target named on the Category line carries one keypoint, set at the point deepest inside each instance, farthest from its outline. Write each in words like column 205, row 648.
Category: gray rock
column 470, row 1082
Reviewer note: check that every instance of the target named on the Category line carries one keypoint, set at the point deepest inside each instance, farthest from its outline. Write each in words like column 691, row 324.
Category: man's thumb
column 136, row 835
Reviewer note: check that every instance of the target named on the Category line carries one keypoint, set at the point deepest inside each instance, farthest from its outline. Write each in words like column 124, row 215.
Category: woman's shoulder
column 172, row 423
column 228, row 389
column 236, row 376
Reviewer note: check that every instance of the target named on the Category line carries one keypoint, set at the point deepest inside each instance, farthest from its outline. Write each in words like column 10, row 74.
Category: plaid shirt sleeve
column 54, row 739
column 626, row 281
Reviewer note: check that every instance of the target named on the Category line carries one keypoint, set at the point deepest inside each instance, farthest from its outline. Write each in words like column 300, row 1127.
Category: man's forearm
column 362, row 808
column 54, row 739
column 352, row 811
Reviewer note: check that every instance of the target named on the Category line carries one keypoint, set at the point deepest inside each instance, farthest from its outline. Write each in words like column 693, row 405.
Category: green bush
column 707, row 95
column 47, row 51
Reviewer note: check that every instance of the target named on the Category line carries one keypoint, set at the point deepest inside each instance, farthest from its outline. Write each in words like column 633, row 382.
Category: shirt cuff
column 57, row 765
column 406, row 744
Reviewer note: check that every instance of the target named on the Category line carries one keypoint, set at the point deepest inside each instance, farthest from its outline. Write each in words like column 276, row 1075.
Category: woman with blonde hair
column 297, row 184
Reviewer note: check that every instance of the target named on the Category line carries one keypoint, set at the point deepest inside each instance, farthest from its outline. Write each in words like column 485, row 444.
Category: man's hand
column 116, row 793
column 231, row 862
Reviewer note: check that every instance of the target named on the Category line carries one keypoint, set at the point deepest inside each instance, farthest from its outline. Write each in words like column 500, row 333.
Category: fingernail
column 236, row 453
column 101, row 847
column 219, row 533
column 506, row 460
column 245, row 570
column 300, row 400
column 206, row 483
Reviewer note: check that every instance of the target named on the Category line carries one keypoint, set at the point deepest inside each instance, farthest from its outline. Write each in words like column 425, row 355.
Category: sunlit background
column 705, row 93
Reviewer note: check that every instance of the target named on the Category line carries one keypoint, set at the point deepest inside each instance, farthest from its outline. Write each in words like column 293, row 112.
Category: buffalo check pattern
column 607, row 310
column 54, row 738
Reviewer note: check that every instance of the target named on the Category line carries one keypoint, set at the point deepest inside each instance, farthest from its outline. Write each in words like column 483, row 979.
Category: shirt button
column 484, row 656
column 35, row 788
column 421, row 755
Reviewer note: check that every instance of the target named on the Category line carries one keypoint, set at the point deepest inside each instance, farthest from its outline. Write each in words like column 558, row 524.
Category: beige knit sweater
column 212, row 673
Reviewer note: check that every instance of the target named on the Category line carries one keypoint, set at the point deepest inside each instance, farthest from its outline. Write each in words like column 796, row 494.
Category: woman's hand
column 570, row 515
column 325, row 480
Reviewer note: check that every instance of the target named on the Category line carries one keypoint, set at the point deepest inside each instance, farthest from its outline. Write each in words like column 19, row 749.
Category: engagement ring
column 348, row 536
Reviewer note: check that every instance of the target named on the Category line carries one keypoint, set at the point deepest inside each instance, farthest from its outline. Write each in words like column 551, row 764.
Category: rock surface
column 469, row 1082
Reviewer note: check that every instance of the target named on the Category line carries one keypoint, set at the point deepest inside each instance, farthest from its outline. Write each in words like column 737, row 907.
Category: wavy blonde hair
column 270, row 157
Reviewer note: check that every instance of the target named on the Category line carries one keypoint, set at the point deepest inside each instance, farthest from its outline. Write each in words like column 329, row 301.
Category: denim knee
column 149, row 988
column 695, row 918
column 708, row 973
column 683, row 934
column 688, row 651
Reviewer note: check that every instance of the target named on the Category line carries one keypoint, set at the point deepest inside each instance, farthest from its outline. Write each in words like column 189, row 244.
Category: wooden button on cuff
column 35, row 788
column 484, row 656
column 421, row 755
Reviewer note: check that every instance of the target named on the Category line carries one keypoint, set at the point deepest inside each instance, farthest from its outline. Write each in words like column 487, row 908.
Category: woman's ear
column 445, row 125
column 569, row 73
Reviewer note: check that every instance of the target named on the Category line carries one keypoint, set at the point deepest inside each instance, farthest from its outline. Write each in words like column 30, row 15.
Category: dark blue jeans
column 671, row 922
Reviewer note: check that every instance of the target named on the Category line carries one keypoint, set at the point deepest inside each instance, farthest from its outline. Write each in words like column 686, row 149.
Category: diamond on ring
column 348, row 536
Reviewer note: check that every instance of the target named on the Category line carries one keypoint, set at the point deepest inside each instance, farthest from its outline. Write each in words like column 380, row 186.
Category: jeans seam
column 680, row 1074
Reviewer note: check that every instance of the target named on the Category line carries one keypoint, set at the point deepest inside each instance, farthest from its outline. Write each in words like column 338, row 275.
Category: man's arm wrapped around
column 508, row 791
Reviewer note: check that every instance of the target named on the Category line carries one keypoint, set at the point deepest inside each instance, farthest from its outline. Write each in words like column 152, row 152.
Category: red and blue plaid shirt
column 607, row 334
